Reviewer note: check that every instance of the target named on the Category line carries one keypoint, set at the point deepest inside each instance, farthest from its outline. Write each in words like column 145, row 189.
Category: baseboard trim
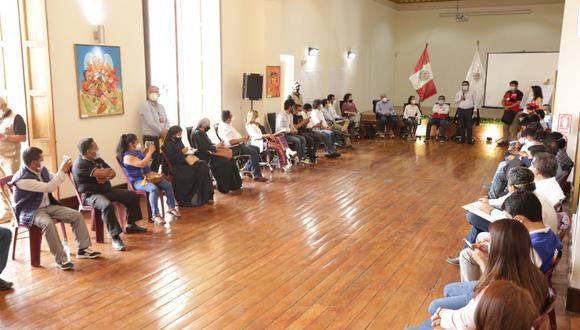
column 73, row 203
column 573, row 300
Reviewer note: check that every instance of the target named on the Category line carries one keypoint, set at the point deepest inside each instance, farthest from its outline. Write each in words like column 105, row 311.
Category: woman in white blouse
column 508, row 259
column 411, row 117
column 268, row 141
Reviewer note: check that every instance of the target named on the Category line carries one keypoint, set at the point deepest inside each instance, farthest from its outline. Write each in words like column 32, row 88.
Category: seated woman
column 270, row 141
column 136, row 165
column 191, row 177
column 219, row 158
column 508, row 259
column 411, row 117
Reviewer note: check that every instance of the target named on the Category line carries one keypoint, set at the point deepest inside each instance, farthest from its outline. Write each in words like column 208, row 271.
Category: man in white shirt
column 285, row 125
column 154, row 123
column 34, row 205
column 338, row 124
column 234, row 140
column 319, row 126
column 545, row 166
column 439, row 118
column 466, row 103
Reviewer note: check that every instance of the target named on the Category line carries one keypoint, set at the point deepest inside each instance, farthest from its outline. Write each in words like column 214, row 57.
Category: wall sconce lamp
column 99, row 34
column 350, row 55
column 312, row 51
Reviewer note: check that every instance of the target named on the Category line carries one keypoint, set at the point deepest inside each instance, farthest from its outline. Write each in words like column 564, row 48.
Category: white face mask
column 513, row 88
column 441, row 102
column 413, row 101
column 522, row 140
column 138, row 146
column 385, row 99
column 465, row 88
column 154, row 97
column 42, row 164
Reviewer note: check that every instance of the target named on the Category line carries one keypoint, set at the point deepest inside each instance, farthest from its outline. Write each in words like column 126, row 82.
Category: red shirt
column 512, row 97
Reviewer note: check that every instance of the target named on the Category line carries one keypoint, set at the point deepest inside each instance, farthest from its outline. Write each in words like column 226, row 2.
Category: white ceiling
column 448, row 4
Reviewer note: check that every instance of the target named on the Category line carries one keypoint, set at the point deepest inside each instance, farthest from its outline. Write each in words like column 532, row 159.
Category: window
column 184, row 57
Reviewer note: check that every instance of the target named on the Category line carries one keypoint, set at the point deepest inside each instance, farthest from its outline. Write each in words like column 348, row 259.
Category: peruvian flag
column 422, row 79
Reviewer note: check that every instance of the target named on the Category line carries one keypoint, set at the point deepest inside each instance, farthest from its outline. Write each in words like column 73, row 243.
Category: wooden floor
column 358, row 242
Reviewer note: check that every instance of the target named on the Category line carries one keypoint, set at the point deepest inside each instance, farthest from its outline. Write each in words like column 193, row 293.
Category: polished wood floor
column 358, row 242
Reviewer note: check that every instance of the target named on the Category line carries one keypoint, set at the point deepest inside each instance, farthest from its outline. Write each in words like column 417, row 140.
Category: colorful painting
column 273, row 81
column 99, row 80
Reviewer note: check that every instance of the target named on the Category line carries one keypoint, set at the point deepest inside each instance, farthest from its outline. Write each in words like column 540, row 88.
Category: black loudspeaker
column 252, row 89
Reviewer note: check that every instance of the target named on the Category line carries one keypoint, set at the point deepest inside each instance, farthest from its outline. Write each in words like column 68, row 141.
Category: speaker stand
column 251, row 104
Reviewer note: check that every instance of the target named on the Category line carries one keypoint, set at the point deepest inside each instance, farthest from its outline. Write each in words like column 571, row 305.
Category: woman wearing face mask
column 136, row 165
column 350, row 111
column 270, row 141
column 190, row 176
column 222, row 165
column 438, row 118
column 411, row 117
column 154, row 123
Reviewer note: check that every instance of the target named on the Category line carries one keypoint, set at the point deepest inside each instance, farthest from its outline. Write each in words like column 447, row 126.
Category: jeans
column 442, row 123
column 455, row 296
column 385, row 120
column 465, row 124
column 499, row 181
column 478, row 225
column 5, row 240
column 327, row 137
column 253, row 163
column 299, row 143
column 411, row 125
column 104, row 203
column 153, row 194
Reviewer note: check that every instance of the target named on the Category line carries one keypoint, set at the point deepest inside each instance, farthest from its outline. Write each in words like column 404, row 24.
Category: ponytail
column 124, row 142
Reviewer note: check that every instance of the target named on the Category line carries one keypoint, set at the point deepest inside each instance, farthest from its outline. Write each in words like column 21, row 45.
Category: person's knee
column 433, row 306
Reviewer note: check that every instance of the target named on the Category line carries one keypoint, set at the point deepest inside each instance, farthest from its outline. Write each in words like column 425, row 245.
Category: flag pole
column 477, row 45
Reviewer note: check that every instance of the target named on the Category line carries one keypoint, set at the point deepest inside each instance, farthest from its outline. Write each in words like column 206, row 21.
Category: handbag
column 153, row 177
column 224, row 153
column 191, row 159
column 508, row 117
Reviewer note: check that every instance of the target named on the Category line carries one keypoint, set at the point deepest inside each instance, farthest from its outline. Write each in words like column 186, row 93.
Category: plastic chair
column 96, row 222
column 34, row 232
column 548, row 312
column 141, row 192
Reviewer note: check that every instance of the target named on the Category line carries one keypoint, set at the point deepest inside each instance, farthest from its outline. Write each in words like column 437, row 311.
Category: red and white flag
column 422, row 79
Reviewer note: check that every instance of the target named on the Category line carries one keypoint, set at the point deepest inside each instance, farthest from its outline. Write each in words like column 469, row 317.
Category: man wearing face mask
column 296, row 96
column 438, row 118
column 466, row 109
column 34, row 205
column 92, row 177
column 12, row 134
column 511, row 103
column 386, row 115
column 154, row 123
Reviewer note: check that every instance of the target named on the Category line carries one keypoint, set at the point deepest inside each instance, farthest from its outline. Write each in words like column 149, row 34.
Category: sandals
column 175, row 213
column 158, row 220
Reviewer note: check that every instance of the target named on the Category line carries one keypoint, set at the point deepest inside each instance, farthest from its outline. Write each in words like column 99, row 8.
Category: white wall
column 452, row 45
column 256, row 32
column 124, row 27
column 566, row 102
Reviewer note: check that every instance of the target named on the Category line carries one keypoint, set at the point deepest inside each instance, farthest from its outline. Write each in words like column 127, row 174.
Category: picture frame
column 99, row 80
column 273, row 81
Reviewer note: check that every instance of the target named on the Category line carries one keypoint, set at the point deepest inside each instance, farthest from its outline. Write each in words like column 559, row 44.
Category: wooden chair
column 145, row 194
column 34, row 232
column 548, row 312
column 96, row 222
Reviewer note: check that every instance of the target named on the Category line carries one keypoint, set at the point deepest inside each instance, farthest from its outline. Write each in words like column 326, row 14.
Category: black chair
column 190, row 136
column 239, row 160
column 375, row 108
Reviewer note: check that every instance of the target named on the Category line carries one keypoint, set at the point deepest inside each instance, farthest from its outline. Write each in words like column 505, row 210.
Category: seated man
column 519, row 179
column 92, row 178
column 338, row 125
column 545, row 166
column 319, row 127
column 525, row 207
column 5, row 240
column 301, row 120
column 439, row 118
column 285, row 125
column 386, row 115
column 234, row 140
column 34, row 205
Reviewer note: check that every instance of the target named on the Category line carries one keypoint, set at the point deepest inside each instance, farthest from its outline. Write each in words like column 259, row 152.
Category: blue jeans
column 442, row 123
column 386, row 120
column 153, row 194
column 328, row 139
column 299, row 144
column 478, row 225
column 499, row 182
column 456, row 296
column 5, row 239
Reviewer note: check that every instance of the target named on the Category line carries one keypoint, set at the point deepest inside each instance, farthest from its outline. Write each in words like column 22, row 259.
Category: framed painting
column 273, row 81
column 99, row 80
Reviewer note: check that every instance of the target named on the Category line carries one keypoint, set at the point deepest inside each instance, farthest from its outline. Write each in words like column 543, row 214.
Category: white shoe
column 287, row 167
column 291, row 153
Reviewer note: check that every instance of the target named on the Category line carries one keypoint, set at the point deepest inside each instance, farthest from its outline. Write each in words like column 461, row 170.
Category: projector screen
column 527, row 68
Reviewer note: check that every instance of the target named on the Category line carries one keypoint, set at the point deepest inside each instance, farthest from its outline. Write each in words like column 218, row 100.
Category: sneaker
column 133, row 228
column 453, row 260
column 307, row 161
column 88, row 254
column 118, row 244
column 158, row 220
column 287, row 167
column 65, row 266
column 291, row 153
column 5, row 285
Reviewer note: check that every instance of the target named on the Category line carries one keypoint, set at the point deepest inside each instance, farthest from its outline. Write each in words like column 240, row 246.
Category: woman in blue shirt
column 136, row 165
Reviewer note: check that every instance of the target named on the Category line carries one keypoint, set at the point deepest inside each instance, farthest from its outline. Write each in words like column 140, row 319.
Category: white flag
column 476, row 78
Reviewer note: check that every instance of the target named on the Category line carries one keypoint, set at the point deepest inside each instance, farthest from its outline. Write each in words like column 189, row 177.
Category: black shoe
column 66, row 266
column 336, row 154
column 88, row 254
column 453, row 260
column 471, row 142
column 133, row 229
column 5, row 285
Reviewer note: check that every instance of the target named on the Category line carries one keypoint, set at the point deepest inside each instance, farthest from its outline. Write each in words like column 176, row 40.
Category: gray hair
column 203, row 122
column 546, row 164
column 521, row 178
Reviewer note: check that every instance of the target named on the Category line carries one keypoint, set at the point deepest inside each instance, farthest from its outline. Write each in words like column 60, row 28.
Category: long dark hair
column 173, row 130
column 504, row 305
column 537, row 93
column 346, row 97
column 124, row 142
column 509, row 259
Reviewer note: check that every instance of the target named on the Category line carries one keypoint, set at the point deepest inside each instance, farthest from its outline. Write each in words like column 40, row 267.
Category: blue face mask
column 527, row 162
